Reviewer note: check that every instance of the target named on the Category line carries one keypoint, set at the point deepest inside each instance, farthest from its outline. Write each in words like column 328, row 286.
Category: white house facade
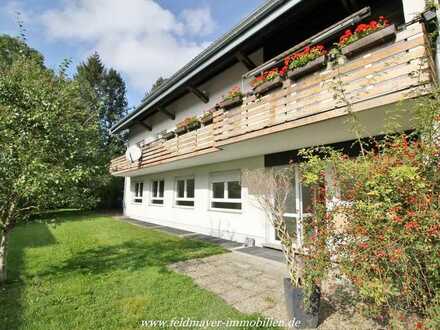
column 193, row 180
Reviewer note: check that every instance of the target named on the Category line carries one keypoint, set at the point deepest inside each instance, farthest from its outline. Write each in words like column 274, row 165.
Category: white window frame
column 185, row 192
column 138, row 198
column 299, row 215
column 225, row 177
column 157, row 198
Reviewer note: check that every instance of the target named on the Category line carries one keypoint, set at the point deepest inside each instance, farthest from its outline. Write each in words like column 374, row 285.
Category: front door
column 297, row 209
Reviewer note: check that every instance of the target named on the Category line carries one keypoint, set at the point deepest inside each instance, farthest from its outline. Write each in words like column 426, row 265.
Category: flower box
column 372, row 40
column 193, row 126
column 310, row 67
column 181, row 130
column 168, row 135
column 231, row 102
column 207, row 118
column 268, row 85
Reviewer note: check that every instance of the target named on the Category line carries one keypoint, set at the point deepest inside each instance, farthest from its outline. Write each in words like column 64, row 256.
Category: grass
column 85, row 271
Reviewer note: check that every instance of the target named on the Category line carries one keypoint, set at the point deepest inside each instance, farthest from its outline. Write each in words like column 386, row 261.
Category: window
column 138, row 192
column 226, row 191
column 185, row 192
column 157, row 192
column 298, row 208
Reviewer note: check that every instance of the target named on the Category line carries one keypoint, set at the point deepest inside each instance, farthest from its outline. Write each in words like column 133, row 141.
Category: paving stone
column 253, row 286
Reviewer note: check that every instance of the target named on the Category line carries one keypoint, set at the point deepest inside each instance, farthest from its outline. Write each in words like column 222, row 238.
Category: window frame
column 138, row 194
column 185, row 192
column 225, row 177
column 154, row 198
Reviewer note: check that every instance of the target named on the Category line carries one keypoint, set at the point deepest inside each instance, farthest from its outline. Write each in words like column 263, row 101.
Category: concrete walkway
column 245, row 282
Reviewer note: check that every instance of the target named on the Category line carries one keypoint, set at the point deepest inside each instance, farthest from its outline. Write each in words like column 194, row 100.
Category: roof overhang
column 251, row 25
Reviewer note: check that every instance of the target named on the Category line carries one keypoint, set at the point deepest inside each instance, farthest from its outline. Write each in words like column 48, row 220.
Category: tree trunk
column 3, row 253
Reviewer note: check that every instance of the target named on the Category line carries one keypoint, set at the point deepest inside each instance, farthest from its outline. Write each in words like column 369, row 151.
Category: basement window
column 138, row 192
column 225, row 191
column 185, row 192
column 157, row 192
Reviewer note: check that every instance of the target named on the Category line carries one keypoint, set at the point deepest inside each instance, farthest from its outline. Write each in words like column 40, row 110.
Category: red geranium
column 362, row 30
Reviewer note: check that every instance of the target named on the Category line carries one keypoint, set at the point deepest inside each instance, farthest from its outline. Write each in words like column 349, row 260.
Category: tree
column 48, row 146
column 159, row 82
column 12, row 49
column 104, row 91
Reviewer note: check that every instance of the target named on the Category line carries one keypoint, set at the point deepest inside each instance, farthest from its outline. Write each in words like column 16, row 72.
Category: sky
column 142, row 39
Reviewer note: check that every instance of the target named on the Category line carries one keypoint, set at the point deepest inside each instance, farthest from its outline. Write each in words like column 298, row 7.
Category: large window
column 138, row 192
column 185, row 192
column 157, row 192
column 226, row 191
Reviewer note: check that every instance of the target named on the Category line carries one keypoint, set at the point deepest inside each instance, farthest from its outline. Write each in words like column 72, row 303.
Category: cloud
column 137, row 37
column 198, row 21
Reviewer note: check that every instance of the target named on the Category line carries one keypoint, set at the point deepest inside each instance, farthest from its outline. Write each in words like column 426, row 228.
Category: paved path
column 250, row 284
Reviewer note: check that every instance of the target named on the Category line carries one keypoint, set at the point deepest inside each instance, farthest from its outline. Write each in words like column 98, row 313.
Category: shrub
column 383, row 228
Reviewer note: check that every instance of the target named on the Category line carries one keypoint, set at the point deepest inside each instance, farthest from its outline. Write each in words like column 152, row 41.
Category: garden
column 76, row 270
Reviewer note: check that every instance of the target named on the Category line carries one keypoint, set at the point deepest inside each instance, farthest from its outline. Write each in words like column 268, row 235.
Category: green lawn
column 84, row 271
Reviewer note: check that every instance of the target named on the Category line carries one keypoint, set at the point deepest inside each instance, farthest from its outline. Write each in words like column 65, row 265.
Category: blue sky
column 142, row 39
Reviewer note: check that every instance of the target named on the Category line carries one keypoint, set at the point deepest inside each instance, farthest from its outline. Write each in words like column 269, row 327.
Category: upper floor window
column 157, row 192
column 185, row 192
column 138, row 192
column 226, row 191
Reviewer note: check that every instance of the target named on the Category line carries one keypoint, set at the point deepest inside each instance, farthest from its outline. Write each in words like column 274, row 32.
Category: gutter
column 264, row 15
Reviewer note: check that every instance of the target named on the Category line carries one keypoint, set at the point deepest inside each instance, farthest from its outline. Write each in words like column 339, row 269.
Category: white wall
column 190, row 105
column 233, row 225
column 412, row 8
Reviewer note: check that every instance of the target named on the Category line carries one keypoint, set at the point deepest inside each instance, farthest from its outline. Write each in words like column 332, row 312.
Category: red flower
column 434, row 230
column 412, row 213
column 411, row 225
column 381, row 254
column 283, row 70
column 362, row 28
column 373, row 25
column 419, row 325
column 363, row 245
column 397, row 219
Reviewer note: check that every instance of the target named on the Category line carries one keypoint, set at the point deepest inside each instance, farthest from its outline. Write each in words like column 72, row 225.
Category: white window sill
column 183, row 207
column 136, row 203
column 158, row 205
column 212, row 209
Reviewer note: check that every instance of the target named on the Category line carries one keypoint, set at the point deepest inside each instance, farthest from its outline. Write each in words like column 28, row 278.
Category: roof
column 254, row 22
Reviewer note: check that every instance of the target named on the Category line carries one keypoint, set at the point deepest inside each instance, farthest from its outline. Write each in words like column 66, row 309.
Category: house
column 190, row 178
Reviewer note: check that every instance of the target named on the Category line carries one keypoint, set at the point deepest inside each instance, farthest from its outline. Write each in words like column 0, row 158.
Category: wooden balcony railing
column 394, row 72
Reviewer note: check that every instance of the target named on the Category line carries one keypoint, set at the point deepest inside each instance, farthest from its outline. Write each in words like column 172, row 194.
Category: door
column 298, row 208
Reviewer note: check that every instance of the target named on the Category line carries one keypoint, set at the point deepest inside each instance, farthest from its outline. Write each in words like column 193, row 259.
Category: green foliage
column 104, row 92
column 12, row 49
column 159, row 82
column 48, row 145
column 383, row 223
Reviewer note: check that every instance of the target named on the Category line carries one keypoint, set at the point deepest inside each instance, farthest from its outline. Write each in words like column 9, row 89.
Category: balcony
column 396, row 71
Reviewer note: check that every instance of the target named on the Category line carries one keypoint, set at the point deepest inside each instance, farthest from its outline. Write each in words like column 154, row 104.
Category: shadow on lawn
column 131, row 255
column 11, row 294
